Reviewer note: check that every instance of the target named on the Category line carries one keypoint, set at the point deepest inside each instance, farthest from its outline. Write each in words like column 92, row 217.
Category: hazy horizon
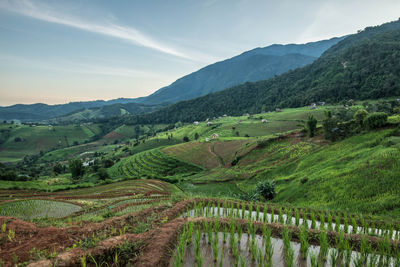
column 58, row 52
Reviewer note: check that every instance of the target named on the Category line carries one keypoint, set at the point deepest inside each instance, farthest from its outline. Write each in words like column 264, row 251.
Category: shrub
column 304, row 180
column 186, row 139
column 266, row 189
column 58, row 168
column 311, row 125
column 360, row 115
column 375, row 120
column 107, row 163
column 103, row 174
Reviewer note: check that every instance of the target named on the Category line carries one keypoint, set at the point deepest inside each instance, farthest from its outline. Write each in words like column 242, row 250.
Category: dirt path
column 220, row 160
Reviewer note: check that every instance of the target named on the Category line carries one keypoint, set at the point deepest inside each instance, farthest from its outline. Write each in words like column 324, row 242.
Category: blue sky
column 59, row 51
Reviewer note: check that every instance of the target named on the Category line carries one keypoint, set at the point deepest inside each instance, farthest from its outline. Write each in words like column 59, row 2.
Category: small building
column 88, row 163
column 264, row 121
column 313, row 106
column 215, row 136
column 196, row 123
column 246, row 114
column 278, row 110
column 207, row 139
column 209, row 123
column 224, row 115
column 321, row 103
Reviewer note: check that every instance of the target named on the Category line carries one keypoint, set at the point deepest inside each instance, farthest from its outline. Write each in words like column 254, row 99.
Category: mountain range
column 254, row 65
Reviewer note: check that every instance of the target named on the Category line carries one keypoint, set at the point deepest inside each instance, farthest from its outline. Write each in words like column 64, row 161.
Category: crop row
column 292, row 216
column 153, row 164
column 234, row 243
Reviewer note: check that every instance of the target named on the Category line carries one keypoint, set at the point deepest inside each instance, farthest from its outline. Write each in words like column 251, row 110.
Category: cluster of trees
column 98, row 167
column 338, row 126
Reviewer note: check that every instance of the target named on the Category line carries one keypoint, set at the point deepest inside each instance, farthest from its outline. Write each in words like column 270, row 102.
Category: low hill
column 40, row 111
column 106, row 111
column 18, row 141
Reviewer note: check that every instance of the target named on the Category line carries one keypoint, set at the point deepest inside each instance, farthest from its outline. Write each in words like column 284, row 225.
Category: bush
column 360, row 115
column 311, row 125
column 266, row 189
column 375, row 120
column 304, row 180
column 103, row 174
column 186, row 139
column 107, row 163
column 58, row 168
column 8, row 175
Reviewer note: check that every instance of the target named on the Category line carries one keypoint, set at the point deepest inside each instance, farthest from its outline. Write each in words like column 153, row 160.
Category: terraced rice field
column 152, row 164
column 35, row 208
column 210, row 232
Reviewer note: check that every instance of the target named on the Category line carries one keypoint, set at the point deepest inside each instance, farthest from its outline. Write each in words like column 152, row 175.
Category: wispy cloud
column 79, row 68
column 44, row 13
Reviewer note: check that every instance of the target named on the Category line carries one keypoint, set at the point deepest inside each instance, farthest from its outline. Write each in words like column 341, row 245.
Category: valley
column 285, row 155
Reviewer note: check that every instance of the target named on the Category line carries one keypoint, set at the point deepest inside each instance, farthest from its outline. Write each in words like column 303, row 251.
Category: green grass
column 213, row 189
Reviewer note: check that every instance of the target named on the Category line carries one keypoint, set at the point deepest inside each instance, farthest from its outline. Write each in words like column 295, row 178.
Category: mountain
column 362, row 66
column 254, row 65
column 39, row 111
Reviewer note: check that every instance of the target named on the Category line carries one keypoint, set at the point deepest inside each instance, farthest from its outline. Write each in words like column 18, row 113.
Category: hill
column 254, row 65
column 106, row 111
column 362, row 66
column 40, row 111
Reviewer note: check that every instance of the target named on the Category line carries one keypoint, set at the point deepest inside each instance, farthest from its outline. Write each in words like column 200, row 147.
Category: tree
column 266, row 189
column 196, row 136
column 375, row 120
column 103, row 174
column 107, row 163
column 58, row 168
column 76, row 168
column 360, row 115
column 311, row 125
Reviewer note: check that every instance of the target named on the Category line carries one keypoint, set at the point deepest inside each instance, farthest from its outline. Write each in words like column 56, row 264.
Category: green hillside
column 21, row 140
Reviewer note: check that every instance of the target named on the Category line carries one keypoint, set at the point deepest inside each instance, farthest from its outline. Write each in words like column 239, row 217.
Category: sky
column 56, row 52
